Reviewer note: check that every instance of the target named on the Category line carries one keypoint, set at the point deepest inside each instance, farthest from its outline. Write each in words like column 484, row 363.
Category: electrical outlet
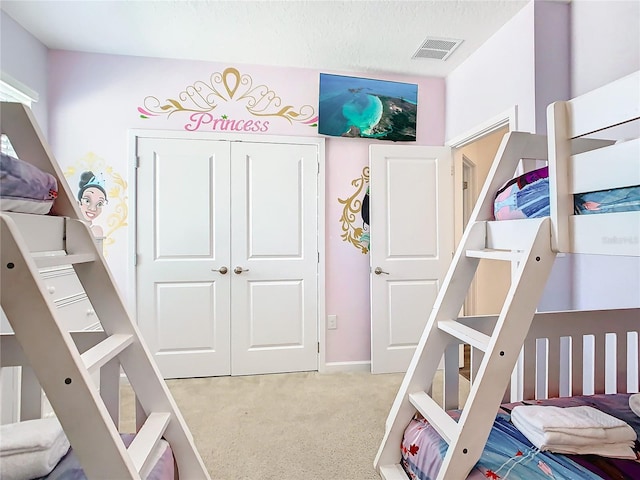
column 332, row 322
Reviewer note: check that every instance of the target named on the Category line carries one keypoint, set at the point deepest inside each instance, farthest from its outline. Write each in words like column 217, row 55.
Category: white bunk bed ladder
column 526, row 242
column 30, row 242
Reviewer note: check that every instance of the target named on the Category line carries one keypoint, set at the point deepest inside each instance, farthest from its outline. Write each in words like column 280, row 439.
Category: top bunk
column 586, row 156
column 590, row 184
column 33, row 190
column 34, row 159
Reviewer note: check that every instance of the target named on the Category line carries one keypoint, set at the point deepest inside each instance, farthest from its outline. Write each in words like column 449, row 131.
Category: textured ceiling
column 341, row 36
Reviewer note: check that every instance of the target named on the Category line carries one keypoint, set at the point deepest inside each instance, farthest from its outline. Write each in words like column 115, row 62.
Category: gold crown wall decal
column 229, row 86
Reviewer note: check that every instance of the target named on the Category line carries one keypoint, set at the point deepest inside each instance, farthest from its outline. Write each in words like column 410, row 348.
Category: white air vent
column 437, row 48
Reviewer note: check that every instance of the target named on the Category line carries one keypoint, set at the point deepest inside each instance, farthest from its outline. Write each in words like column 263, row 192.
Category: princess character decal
column 92, row 197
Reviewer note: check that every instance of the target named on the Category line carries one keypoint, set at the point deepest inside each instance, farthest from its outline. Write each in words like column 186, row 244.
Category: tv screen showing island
column 367, row 108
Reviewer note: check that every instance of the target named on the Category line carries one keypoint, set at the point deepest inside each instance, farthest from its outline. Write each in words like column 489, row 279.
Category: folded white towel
column 31, row 449
column 578, row 430
column 634, row 403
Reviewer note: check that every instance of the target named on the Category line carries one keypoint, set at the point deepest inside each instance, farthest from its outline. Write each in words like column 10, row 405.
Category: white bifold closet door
column 227, row 256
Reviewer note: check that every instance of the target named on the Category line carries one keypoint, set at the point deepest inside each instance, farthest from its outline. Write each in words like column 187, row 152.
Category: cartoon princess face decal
column 92, row 197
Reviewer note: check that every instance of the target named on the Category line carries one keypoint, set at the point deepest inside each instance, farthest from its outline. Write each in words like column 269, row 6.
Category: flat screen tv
column 367, row 108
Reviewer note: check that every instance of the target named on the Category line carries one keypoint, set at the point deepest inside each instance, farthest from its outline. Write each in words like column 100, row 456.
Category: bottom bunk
column 509, row 454
column 36, row 450
column 36, row 447
column 569, row 359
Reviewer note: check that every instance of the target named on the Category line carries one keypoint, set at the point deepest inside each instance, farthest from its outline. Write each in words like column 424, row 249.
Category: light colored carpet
column 285, row 427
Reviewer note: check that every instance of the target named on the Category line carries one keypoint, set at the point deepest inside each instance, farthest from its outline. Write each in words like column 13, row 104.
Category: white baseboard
column 333, row 367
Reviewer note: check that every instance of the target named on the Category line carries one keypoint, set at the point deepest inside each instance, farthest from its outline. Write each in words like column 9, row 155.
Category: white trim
column 508, row 117
column 318, row 141
column 335, row 367
column 18, row 90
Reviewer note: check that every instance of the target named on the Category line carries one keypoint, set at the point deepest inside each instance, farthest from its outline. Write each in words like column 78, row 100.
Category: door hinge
column 452, row 170
column 135, row 259
column 318, row 257
column 318, row 347
column 465, row 185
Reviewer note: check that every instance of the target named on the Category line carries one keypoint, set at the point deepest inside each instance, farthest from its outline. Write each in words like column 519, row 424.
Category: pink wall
column 93, row 105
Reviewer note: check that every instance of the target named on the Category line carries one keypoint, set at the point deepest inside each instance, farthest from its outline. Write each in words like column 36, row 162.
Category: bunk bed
column 77, row 373
column 522, row 358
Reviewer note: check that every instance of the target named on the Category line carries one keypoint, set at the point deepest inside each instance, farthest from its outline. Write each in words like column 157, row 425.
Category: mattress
column 509, row 455
column 25, row 188
column 69, row 467
column 527, row 196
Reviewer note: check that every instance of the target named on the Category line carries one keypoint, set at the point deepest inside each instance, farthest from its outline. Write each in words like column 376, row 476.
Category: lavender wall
column 499, row 75
column 24, row 59
column 525, row 64
column 605, row 46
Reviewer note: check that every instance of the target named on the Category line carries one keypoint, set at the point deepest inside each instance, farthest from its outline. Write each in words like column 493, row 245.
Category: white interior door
column 250, row 208
column 411, row 220
column 183, row 205
column 274, row 306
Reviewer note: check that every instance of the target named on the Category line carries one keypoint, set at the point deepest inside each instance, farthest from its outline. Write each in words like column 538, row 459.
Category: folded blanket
column 634, row 403
column 31, row 449
column 580, row 430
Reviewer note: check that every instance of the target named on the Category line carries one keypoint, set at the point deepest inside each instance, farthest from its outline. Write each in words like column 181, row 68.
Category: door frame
column 508, row 118
column 132, row 154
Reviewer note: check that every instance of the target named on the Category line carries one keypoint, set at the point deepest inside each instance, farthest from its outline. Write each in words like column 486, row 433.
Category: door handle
column 378, row 271
column 239, row 270
column 222, row 270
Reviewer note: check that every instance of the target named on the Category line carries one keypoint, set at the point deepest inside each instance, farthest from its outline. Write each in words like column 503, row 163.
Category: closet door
column 274, row 304
column 183, row 247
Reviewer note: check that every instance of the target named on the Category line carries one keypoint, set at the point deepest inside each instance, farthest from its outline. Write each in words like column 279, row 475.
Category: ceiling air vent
column 437, row 48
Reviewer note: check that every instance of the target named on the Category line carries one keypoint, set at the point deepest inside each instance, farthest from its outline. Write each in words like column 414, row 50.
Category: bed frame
column 521, row 354
column 66, row 365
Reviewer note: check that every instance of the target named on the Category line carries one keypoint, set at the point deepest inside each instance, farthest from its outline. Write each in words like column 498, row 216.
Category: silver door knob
column 222, row 270
column 378, row 271
column 239, row 270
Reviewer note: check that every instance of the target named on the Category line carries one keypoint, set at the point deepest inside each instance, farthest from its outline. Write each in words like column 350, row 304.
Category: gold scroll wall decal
column 228, row 86
column 350, row 220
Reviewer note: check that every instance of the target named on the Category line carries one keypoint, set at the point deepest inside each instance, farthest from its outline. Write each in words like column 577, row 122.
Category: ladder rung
column 147, row 438
column 446, row 426
column 393, row 472
column 104, row 351
column 490, row 254
column 58, row 260
column 466, row 334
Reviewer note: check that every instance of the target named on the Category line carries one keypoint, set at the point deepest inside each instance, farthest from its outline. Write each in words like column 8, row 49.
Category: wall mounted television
column 367, row 108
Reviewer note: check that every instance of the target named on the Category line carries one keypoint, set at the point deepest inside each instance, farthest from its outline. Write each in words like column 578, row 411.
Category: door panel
column 183, row 303
column 274, row 209
column 411, row 221
column 207, row 204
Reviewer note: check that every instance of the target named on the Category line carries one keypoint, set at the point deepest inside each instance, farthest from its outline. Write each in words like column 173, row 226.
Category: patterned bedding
column 69, row 467
column 25, row 188
column 509, row 455
column 527, row 196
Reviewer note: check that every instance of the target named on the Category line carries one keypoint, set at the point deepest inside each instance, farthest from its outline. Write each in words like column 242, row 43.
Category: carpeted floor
column 292, row 426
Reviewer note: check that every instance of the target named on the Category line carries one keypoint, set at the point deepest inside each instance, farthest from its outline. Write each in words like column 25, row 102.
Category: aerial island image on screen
column 367, row 108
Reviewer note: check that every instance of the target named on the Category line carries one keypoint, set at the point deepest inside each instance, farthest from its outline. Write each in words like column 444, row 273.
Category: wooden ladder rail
column 436, row 340
column 64, row 373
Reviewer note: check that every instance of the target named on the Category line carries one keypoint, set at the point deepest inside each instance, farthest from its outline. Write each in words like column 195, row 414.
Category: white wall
column 526, row 64
column 605, row 39
column 605, row 42
column 24, row 58
column 499, row 75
